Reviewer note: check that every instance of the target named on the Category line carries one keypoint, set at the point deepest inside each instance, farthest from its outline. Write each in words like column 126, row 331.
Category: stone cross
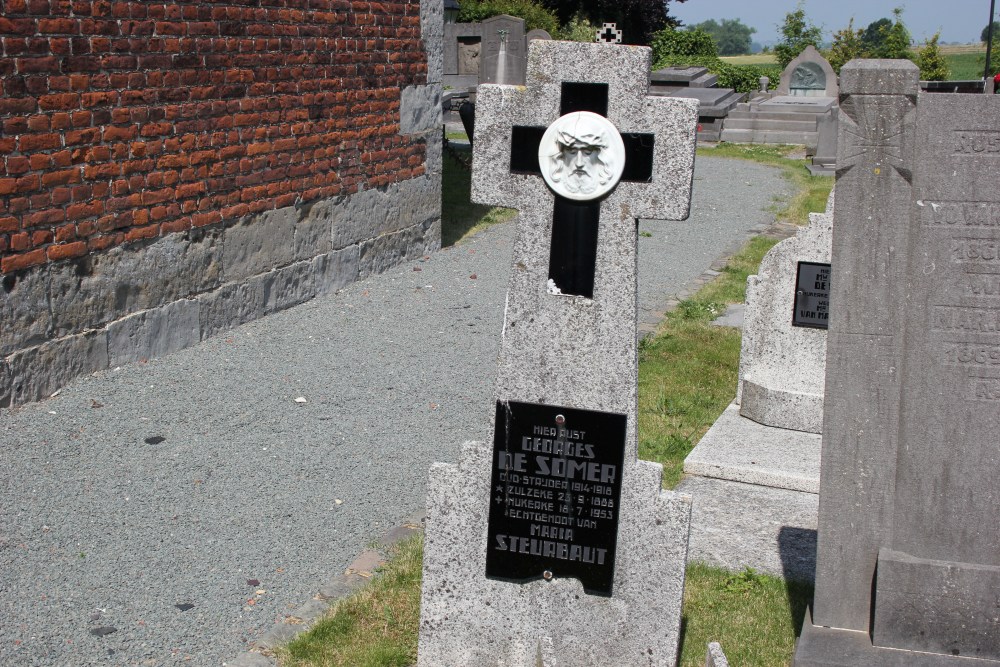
column 582, row 152
column 594, row 367
column 609, row 34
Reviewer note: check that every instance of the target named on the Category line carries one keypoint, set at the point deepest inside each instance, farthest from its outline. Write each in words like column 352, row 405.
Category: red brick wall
column 122, row 120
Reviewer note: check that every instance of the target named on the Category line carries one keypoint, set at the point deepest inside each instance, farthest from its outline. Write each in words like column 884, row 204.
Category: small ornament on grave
column 609, row 34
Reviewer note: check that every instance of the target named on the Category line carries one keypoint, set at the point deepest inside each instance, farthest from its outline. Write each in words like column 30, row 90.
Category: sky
column 958, row 20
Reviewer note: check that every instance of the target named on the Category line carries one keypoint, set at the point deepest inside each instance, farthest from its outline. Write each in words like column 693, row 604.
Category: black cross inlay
column 573, row 254
column 609, row 35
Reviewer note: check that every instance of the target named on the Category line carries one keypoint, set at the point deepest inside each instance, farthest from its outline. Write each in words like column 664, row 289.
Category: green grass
column 375, row 627
column 752, row 59
column 965, row 66
column 755, row 618
column 687, row 372
column 460, row 218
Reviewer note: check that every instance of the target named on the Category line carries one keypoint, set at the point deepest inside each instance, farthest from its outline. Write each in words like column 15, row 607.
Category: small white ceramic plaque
column 582, row 156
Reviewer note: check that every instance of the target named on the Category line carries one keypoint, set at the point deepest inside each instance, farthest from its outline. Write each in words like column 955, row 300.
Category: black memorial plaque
column 812, row 296
column 557, row 479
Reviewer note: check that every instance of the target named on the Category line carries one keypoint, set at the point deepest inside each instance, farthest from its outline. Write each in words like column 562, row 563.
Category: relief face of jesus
column 582, row 156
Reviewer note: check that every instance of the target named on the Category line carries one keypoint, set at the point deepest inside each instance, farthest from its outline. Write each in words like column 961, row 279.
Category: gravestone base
column 957, row 600
column 831, row 647
column 467, row 619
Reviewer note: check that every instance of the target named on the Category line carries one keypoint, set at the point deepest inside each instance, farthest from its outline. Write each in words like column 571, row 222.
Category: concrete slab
column 741, row 450
column 736, row 525
column 792, row 103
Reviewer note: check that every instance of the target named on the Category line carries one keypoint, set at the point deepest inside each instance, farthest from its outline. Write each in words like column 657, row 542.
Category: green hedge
column 741, row 78
column 691, row 43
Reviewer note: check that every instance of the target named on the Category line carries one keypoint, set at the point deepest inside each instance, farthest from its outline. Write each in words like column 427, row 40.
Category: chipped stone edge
column 339, row 588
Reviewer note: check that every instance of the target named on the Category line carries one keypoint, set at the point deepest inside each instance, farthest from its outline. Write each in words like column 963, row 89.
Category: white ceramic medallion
column 582, row 156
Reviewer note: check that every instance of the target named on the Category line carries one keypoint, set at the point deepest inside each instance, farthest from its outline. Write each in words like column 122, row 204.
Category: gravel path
column 167, row 513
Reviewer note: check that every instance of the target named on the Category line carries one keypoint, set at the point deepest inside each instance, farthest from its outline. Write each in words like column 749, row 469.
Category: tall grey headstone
column 908, row 563
column 783, row 352
column 572, row 355
column 503, row 58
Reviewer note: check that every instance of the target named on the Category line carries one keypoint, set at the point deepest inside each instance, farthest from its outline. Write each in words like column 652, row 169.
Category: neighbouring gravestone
column 553, row 544
column 537, row 33
column 783, row 352
column 824, row 162
column 808, row 75
column 908, row 563
column 503, row 59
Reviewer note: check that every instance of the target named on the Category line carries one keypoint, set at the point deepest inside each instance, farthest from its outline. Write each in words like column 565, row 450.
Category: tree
column 873, row 36
column 637, row 19
column 933, row 66
column 848, row 44
column 732, row 37
column 896, row 39
column 578, row 29
column 986, row 32
column 798, row 33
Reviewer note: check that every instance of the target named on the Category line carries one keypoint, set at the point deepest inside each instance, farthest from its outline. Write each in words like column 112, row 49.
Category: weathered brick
column 22, row 261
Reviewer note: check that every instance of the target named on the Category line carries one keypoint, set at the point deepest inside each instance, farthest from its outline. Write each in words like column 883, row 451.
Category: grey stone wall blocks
column 154, row 333
column 336, row 270
column 4, row 385
column 24, row 310
column 388, row 250
column 38, row 371
column 152, row 299
column 432, row 32
column 257, row 243
column 98, row 289
column 232, row 304
column 420, row 109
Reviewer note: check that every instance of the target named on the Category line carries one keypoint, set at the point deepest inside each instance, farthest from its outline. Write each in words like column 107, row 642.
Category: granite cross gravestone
column 908, row 557
column 554, row 544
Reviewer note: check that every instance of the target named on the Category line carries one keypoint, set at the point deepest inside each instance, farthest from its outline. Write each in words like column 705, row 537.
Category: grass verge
column 687, row 372
column 460, row 218
column 811, row 191
column 375, row 627
column 755, row 618
column 752, row 59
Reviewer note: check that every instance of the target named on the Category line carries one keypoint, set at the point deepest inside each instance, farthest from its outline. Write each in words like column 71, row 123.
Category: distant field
column 965, row 61
column 755, row 59
column 978, row 47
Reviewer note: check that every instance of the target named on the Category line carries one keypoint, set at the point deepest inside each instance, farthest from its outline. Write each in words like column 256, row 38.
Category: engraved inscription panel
column 812, row 296
column 951, row 363
column 555, row 494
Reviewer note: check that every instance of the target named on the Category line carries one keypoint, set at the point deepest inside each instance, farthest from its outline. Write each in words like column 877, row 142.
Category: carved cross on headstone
column 583, row 248
column 609, row 34
column 576, row 215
